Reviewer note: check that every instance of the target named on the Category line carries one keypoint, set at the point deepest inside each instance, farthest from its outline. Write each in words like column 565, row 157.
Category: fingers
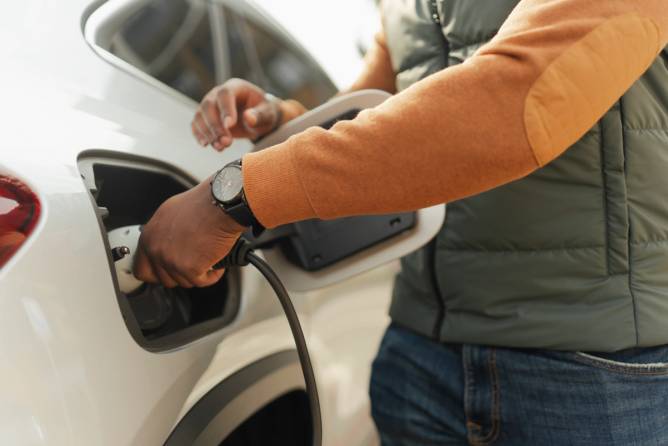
column 261, row 116
column 146, row 270
column 170, row 277
column 199, row 124
column 217, row 121
column 227, row 106
column 209, row 278
column 199, row 134
column 216, row 115
column 179, row 278
column 207, row 125
column 142, row 268
column 183, row 239
column 165, row 279
column 212, row 117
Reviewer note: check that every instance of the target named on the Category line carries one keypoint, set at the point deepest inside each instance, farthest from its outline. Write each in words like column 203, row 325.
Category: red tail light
column 19, row 213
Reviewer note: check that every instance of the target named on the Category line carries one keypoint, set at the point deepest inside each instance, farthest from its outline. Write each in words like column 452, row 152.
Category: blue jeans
column 427, row 393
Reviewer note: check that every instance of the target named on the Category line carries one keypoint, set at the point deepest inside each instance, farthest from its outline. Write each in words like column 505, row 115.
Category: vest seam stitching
column 484, row 41
column 642, row 129
column 466, row 45
column 648, row 242
column 630, row 231
column 510, row 251
column 440, row 299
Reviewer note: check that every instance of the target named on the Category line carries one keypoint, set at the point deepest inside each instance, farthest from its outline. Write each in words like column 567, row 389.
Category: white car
column 96, row 99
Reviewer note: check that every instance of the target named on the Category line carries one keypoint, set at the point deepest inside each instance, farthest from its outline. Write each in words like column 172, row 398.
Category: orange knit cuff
column 270, row 204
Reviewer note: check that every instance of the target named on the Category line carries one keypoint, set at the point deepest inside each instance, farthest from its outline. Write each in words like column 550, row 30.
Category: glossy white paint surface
column 71, row 373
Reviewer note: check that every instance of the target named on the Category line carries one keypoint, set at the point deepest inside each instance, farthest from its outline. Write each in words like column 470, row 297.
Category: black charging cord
column 242, row 254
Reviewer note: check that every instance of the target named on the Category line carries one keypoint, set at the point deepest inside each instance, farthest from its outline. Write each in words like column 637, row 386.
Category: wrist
column 289, row 110
column 226, row 225
column 227, row 193
column 273, row 188
column 230, row 225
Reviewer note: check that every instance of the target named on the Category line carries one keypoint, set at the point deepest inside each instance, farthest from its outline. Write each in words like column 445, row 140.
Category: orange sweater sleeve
column 554, row 68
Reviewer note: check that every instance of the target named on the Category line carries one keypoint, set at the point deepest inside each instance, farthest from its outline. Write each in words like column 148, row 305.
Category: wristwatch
column 227, row 189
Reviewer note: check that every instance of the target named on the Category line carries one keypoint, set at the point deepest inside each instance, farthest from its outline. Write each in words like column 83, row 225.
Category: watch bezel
column 238, row 196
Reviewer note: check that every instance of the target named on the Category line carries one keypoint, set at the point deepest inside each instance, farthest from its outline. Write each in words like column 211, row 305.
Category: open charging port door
column 312, row 254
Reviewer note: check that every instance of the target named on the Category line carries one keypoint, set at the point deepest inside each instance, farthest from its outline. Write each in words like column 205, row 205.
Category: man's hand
column 235, row 109
column 186, row 236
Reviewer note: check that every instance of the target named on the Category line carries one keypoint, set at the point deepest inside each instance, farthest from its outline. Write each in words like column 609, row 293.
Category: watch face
column 227, row 185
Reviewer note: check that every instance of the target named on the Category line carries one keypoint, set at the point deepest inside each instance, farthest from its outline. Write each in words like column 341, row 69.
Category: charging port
column 127, row 192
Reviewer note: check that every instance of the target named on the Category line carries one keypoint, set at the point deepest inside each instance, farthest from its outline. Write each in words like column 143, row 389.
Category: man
column 550, row 145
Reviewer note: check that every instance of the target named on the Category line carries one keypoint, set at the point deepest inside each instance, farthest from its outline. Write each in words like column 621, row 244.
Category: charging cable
column 242, row 254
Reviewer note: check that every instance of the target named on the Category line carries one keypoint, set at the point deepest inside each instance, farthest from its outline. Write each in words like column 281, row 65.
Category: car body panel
column 72, row 373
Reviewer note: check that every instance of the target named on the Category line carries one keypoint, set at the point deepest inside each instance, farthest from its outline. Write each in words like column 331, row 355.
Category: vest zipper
column 438, row 22
column 435, row 15
column 436, row 332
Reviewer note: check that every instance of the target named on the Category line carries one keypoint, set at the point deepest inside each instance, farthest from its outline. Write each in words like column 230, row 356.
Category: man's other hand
column 186, row 236
column 235, row 109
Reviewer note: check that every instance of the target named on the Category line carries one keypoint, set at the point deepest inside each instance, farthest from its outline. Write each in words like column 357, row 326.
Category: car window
column 238, row 49
column 277, row 65
column 172, row 41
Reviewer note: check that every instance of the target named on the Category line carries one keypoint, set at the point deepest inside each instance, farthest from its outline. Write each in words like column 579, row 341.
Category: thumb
column 142, row 268
column 208, row 278
column 262, row 115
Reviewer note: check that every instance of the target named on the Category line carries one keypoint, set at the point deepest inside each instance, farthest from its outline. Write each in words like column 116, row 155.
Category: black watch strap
column 242, row 214
column 239, row 210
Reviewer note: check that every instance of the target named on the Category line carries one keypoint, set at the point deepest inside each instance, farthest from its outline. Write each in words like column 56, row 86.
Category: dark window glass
column 274, row 63
column 238, row 48
column 172, row 41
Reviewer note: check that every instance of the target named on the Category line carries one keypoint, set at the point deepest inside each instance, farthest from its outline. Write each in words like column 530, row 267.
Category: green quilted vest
column 572, row 257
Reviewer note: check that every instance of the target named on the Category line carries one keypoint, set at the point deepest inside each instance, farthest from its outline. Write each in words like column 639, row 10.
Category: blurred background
column 336, row 33
column 300, row 49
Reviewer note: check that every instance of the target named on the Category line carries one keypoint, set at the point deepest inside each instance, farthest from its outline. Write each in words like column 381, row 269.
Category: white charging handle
column 126, row 236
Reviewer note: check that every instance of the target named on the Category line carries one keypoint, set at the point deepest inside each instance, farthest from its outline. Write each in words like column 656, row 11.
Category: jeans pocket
column 626, row 365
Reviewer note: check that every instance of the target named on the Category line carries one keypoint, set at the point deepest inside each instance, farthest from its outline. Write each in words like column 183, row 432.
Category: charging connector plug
column 238, row 255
